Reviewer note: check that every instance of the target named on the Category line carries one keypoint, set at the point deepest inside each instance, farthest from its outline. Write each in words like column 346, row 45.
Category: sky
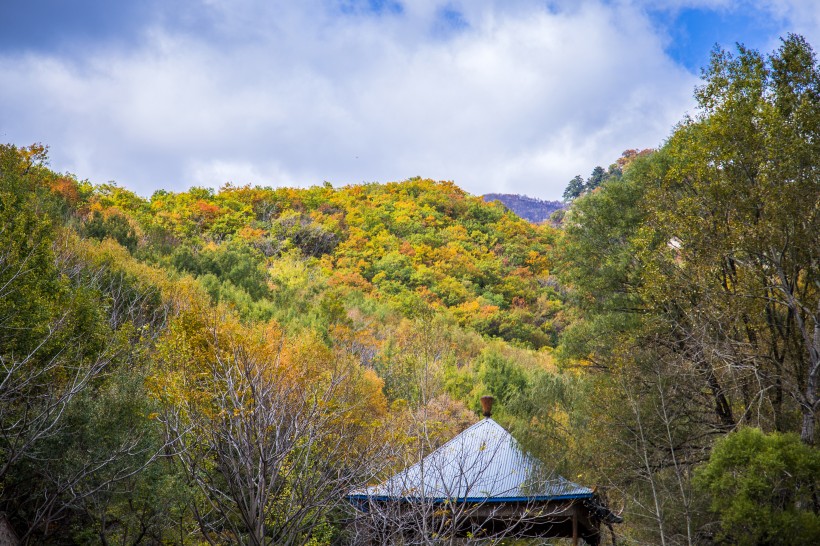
column 503, row 96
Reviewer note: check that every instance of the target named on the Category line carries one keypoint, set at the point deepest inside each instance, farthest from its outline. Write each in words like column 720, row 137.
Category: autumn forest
column 222, row 366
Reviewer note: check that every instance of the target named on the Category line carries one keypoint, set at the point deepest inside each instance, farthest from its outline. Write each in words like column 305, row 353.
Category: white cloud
column 798, row 16
column 520, row 101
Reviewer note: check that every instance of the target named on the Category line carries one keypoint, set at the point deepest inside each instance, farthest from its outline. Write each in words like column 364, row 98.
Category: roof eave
column 536, row 498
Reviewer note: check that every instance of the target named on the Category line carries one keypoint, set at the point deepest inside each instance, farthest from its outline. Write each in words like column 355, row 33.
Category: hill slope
column 529, row 208
column 412, row 246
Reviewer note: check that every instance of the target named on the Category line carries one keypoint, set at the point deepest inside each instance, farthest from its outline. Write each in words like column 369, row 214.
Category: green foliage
column 501, row 377
column 693, row 285
column 575, row 188
column 546, row 415
column 598, row 262
column 763, row 488
column 128, row 496
column 235, row 262
column 73, row 414
column 114, row 226
column 739, row 194
column 578, row 186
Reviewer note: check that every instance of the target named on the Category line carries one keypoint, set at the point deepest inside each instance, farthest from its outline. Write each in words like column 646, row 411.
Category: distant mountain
column 528, row 208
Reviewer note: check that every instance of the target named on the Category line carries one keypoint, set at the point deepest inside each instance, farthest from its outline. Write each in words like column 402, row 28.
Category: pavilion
column 481, row 484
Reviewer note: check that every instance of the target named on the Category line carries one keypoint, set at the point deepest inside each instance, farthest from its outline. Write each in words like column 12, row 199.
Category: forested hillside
column 528, row 208
column 131, row 326
column 224, row 366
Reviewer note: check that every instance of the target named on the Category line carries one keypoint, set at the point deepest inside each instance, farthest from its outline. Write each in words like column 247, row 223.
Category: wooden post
column 575, row 526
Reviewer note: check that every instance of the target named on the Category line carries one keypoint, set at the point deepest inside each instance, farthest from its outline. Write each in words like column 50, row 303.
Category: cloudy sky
column 513, row 96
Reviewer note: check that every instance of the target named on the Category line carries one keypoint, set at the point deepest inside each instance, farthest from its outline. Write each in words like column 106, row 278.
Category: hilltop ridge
column 529, row 208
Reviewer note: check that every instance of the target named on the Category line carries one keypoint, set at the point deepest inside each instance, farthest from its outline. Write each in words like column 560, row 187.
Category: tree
column 763, row 488
column 72, row 427
column 578, row 186
column 694, row 279
column 738, row 196
column 113, row 225
column 721, row 249
column 598, row 177
column 272, row 433
column 575, row 188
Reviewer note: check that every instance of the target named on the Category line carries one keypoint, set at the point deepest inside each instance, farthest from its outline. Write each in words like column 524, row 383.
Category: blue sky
column 693, row 31
column 497, row 95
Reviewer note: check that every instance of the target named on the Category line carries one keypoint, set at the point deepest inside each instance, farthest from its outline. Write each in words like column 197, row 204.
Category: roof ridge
column 463, row 432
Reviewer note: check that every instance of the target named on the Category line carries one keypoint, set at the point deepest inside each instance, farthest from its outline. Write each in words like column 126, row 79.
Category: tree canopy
column 694, row 280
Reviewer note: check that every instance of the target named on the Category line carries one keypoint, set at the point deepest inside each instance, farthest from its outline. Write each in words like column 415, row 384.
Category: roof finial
column 487, row 405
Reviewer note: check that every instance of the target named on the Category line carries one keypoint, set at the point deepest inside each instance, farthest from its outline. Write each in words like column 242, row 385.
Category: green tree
column 115, row 226
column 763, row 488
column 694, row 283
column 737, row 206
column 73, row 429
column 598, row 177
column 501, row 377
column 575, row 188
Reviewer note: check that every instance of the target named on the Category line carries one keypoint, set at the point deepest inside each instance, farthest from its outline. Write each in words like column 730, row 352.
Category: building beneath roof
column 477, row 487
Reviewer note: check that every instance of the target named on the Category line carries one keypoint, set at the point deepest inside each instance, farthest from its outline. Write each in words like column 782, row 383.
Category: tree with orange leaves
column 272, row 431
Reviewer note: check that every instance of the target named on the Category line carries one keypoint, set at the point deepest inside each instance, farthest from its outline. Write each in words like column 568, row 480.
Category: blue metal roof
column 482, row 464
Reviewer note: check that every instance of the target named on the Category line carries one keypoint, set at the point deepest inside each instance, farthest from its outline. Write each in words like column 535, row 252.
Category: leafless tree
column 272, row 454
